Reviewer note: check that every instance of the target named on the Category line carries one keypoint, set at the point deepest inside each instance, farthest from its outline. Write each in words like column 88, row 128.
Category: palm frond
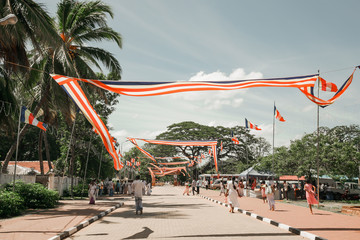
column 104, row 56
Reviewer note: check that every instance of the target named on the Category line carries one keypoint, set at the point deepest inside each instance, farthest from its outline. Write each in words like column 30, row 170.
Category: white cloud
column 218, row 99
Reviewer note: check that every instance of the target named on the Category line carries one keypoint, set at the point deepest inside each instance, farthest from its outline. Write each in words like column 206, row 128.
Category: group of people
column 110, row 187
column 194, row 185
column 232, row 190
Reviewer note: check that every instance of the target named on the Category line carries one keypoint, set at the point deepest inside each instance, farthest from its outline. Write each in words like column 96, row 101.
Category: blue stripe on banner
column 125, row 83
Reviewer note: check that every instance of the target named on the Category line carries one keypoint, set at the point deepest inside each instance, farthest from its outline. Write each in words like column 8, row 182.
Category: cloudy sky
column 168, row 40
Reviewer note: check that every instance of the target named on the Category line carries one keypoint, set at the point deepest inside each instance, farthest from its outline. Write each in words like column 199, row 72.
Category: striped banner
column 133, row 141
column 142, row 89
column 212, row 144
column 309, row 93
column 73, row 89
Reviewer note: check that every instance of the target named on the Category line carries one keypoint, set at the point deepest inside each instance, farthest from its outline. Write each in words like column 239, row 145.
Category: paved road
column 169, row 215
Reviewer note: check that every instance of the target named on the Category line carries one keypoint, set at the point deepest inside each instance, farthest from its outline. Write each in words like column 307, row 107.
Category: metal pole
column 17, row 149
column 318, row 144
column 86, row 165
column 100, row 162
column 273, row 143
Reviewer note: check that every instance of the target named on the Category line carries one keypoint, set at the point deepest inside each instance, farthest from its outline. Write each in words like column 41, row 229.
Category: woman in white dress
column 222, row 188
column 92, row 192
column 233, row 195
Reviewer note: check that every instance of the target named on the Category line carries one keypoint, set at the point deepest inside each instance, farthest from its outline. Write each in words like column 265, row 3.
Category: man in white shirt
column 138, row 187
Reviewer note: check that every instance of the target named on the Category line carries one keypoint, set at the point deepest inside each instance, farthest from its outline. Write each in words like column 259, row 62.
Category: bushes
column 36, row 195
column 11, row 204
column 25, row 196
column 77, row 191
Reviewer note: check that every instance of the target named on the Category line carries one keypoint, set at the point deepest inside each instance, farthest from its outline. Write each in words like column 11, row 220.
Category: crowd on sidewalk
column 234, row 189
column 108, row 187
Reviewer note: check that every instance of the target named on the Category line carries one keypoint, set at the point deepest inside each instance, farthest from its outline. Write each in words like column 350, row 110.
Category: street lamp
column 10, row 19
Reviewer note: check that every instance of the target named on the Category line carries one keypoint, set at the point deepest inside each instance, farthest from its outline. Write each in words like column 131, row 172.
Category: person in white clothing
column 138, row 186
column 232, row 194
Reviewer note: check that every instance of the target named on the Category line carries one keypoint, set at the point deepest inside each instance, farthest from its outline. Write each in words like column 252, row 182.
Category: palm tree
column 78, row 23
column 34, row 26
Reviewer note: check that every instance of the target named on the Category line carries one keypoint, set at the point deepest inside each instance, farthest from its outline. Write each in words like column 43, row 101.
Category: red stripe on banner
column 81, row 101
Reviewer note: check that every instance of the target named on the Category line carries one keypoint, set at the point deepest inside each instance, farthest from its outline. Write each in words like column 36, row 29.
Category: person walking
column 138, row 187
column 286, row 190
column 148, row 189
column 198, row 184
column 263, row 188
column 92, row 192
column 187, row 188
column 117, row 187
column 222, row 187
column 232, row 194
column 310, row 194
column 270, row 195
column 241, row 188
column 193, row 185
column 111, row 188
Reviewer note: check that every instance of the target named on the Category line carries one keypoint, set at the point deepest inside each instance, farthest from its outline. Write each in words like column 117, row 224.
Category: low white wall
column 54, row 182
column 8, row 178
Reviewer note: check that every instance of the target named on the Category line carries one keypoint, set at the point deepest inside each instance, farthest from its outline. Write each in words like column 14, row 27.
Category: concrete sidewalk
column 325, row 224
column 44, row 224
column 170, row 215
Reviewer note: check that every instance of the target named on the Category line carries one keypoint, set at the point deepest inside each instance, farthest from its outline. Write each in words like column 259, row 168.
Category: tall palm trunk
column 71, row 168
column 47, row 150
column 40, row 153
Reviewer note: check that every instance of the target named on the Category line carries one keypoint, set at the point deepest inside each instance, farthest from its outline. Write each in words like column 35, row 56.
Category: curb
column 72, row 230
column 270, row 221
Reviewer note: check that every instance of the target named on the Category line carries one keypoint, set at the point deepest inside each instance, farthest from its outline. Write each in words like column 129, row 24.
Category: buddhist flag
column 250, row 125
column 28, row 117
column 328, row 86
column 235, row 140
column 221, row 146
column 277, row 115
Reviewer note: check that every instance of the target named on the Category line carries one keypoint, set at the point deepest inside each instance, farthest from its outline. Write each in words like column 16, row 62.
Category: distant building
column 26, row 167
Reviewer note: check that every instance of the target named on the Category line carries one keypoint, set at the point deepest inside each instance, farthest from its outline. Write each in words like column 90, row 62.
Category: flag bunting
column 277, row 115
column 73, row 89
column 327, row 86
column 142, row 89
column 27, row 117
column 250, row 125
column 133, row 141
column 309, row 93
column 212, row 144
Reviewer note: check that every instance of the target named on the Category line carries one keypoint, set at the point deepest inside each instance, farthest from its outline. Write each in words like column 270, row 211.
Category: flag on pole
column 28, row 117
column 133, row 160
column 328, row 86
column 128, row 163
column 119, row 153
column 309, row 92
column 221, row 147
column 235, row 140
column 277, row 115
column 250, row 125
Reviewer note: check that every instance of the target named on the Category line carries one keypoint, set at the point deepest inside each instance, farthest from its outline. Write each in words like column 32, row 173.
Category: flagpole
column 17, row 148
column 273, row 143
column 86, row 165
column 102, row 149
column 318, row 143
